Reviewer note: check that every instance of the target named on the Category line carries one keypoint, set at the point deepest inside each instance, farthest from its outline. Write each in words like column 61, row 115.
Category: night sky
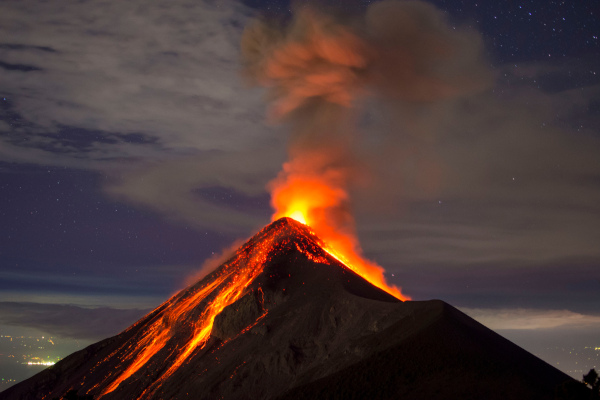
column 132, row 151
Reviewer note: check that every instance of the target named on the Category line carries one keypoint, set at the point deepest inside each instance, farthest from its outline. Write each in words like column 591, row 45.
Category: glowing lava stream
column 155, row 338
column 225, row 290
column 202, row 332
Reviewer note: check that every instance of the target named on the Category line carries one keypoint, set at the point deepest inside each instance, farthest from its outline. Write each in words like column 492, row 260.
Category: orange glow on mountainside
column 308, row 198
column 180, row 328
column 155, row 338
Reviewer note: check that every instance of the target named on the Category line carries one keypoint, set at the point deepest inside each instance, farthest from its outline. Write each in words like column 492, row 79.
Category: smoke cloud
column 321, row 69
column 401, row 50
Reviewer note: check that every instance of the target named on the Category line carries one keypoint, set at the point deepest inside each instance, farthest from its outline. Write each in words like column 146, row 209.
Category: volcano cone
column 284, row 319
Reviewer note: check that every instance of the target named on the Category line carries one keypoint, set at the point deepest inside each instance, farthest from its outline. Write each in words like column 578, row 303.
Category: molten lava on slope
column 200, row 304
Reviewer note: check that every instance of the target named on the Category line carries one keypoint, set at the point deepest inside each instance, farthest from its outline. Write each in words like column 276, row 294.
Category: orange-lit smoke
column 317, row 67
column 316, row 59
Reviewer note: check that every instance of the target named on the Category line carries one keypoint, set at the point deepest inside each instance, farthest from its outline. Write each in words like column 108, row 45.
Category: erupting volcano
column 297, row 312
column 284, row 318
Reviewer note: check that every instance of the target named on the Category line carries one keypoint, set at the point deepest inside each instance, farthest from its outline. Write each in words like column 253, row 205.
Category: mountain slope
column 283, row 318
column 439, row 353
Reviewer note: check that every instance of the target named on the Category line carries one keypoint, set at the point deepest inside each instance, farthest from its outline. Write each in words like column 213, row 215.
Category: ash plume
column 399, row 49
column 319, row 70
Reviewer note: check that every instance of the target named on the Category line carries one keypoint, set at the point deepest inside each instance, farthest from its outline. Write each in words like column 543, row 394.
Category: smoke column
column 318, row 67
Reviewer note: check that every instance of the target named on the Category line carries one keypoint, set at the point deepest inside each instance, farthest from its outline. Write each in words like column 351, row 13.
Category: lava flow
column 228, row 286
column 181, row 327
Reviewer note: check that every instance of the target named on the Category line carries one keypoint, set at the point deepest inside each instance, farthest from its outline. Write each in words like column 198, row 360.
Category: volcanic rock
column 299, row 325
column 237, row 316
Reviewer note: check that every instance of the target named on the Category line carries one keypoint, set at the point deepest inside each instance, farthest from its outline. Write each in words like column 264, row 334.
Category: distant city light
column 41, row 363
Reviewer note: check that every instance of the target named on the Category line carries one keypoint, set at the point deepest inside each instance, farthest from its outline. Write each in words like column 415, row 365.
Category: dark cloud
column 12, row 46
column 69, row 321
column 514, row 188
column 18, row 67
column 168, row 71
column 157, row 87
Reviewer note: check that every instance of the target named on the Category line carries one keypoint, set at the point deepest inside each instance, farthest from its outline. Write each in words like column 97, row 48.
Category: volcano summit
column 283, row 319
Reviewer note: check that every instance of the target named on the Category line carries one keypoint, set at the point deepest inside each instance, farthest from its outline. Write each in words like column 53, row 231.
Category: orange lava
column 317, row 200
column 180, row 327
column 159, row 332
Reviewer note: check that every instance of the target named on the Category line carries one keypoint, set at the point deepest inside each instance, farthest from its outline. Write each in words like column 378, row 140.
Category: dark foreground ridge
column 291, row 322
